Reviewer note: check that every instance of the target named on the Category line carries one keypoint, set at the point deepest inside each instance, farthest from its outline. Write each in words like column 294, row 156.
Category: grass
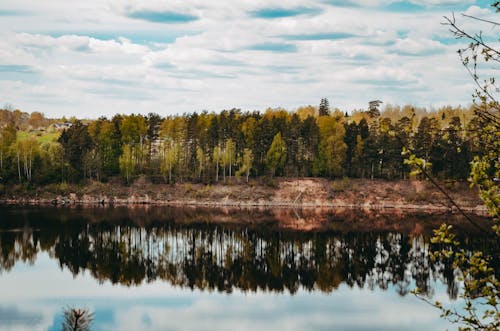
column 41, row 137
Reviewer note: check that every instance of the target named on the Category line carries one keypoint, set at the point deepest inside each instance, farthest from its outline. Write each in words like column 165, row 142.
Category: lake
column 163, row 268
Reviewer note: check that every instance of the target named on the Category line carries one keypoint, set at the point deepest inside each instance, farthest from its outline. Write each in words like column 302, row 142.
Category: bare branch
column 481, row 19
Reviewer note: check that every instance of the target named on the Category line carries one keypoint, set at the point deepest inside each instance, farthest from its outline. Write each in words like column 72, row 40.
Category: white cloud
column 445, row 2
column 477, row 11
column 209, row 63
column 418, row 46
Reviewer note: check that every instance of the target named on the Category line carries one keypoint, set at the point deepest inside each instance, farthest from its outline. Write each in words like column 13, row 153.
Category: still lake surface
column 162, row 268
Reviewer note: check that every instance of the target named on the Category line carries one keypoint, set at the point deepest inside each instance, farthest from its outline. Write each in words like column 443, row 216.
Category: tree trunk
column 25, row 166
column 217, row 172
column 170, row 172
column 62, row 169
column 19, row 166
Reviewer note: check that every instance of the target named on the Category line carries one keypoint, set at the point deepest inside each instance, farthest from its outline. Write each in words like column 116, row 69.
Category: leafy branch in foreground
column 485, row 168
column 480, row 292
column 77, row 319
column 421, row 166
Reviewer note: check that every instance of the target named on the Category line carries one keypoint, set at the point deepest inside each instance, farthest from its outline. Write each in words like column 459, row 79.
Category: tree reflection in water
column 77, row 319
column 199, row 254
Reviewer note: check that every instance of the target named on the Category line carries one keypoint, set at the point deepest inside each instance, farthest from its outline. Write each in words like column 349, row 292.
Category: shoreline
column 479, row 210
column 307, row 193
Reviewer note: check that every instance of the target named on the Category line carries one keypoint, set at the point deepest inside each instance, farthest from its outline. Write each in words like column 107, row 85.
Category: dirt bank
column 307, row 192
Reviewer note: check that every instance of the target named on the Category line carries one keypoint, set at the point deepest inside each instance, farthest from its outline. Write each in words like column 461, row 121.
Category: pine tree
column 324, row 107
column 373, row 110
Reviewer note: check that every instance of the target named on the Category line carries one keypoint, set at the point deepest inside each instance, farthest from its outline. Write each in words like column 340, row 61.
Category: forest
column 209, row 147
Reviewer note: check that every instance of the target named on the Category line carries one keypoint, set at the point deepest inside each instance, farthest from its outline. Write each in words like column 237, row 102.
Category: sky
column 46, row 290
column 101, row 57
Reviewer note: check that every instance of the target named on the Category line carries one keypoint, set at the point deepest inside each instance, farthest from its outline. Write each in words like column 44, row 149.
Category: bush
column 340, row 185
column 270, row 182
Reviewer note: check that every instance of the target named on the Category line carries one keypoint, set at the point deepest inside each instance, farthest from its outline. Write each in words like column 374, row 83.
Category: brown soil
column 307, row 192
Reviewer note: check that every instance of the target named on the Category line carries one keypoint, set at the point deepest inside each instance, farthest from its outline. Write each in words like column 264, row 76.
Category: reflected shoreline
column 284, row 218
column 141, row 202
column 274, row 250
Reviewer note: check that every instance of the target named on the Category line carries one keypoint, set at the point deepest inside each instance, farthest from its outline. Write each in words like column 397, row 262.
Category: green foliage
column 133, row 129
column 481, row 304
column 246, row 163
column 169, row 159
column 331, row 145
column 76, row 141
column 480, row 292
column 216, row 158
column 108, row 144
column 201, row 159
column 127, row 162
column 7, row 139
column 276, row 155
column 324, row 107
column 228, row 156
column 418, row 164
column 26, row 151
column 485, row 170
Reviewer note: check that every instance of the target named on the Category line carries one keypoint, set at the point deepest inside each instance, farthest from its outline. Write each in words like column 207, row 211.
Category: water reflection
column 253, row 251
column 77, row 319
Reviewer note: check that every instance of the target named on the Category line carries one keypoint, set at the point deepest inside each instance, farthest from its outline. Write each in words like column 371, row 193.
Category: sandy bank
column 301, row 193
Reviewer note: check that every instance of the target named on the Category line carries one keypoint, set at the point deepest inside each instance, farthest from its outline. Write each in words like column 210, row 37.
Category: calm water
column 194, row 269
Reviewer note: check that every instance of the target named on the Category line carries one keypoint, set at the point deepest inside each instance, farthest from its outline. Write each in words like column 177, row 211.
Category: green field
column 41, row 137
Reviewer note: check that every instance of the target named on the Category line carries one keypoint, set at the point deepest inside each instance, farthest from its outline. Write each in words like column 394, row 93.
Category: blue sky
column 100, row 57
column 46, row 290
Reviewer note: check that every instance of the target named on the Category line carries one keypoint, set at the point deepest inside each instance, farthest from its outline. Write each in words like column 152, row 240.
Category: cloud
column 167, row 17
column 444, row 2
column 383, row 74
column 477, row 11
column 399, row 5
column 272, row 13
column 11, row 316
column 10, row 12
column 418, row 47
column 274, row 47
column 341, row 3
column 66, row 42
column 404, row 6
column 312, row 49
column 285, row 69
column 19, row 73
column 319, row 36
column 150, row 37
column 80, row 44
column 116, row 93
column 16, row 68
column 122, row 46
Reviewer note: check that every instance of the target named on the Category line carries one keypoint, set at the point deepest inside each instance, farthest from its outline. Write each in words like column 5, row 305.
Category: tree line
column 215, row 147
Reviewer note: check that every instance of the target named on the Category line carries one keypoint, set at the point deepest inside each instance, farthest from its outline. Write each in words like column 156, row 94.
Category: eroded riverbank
column 297, row 193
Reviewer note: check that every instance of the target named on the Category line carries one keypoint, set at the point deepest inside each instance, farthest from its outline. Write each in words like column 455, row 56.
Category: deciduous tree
column 276, row 155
